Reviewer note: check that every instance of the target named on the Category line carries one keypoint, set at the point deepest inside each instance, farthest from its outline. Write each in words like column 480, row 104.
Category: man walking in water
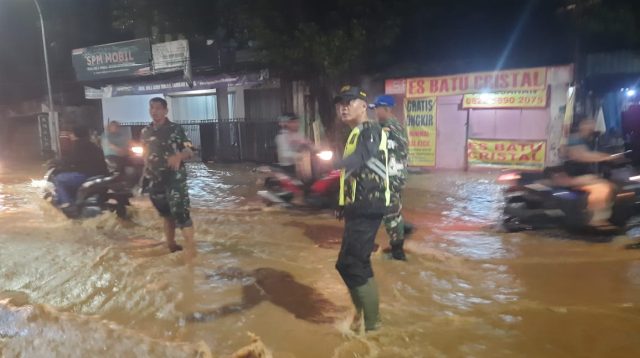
column 397, row 146
column 166, row 149
column 364, row 200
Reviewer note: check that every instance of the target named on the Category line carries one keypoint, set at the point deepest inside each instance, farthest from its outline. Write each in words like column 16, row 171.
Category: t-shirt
column 575, row 168
column 87, row 158
column 162, row 142
column 288, row 145
column 119, row 140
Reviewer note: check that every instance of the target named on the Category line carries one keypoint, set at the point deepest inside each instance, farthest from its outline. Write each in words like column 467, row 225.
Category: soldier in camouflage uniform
column 166, row 149
column 364, row 200
column 397, row 146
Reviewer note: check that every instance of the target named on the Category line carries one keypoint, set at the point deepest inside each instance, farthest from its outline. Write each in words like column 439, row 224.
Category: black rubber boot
column 397, row 251
column 408, row 229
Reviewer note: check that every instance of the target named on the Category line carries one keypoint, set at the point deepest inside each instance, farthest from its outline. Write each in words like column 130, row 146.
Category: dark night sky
column 437, row 37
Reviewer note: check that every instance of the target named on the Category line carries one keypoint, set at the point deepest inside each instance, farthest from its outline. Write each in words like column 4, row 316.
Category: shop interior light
column 631, row 92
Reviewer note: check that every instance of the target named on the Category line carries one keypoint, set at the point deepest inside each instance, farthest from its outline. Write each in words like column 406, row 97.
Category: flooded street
column 107, row 288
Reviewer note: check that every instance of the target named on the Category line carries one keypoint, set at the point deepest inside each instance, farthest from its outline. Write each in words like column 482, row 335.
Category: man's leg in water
column 394, row 225
column 170, row 234
column 179, row 203
column 354, row 266
column 188, row 234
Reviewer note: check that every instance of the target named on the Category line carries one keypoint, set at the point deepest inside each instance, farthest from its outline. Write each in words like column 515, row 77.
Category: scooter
column 318, row 185
column 101, row 193
column 533, row 202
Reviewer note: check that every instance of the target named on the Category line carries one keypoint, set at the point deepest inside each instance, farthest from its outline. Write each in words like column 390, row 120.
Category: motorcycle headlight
column 325, row 155
column 137, row 150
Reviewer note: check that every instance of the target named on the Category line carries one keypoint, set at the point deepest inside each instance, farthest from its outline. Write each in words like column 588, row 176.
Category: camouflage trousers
column 393, row 221
column 171, row 200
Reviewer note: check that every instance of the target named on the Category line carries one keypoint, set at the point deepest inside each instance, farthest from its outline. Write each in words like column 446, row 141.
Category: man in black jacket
column 83, row 162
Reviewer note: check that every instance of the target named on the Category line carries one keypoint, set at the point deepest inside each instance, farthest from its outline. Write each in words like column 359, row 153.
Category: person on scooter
column 115, row 144
column 580, row 159
column 288, row 142
column 84, row 161
column 397, row 145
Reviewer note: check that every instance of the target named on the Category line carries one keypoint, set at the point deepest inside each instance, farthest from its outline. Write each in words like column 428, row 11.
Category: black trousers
column 354, row 260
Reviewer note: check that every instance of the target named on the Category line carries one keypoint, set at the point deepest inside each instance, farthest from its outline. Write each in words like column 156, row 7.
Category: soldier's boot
column 368, row 296
column 397, row 250
column 356, row 322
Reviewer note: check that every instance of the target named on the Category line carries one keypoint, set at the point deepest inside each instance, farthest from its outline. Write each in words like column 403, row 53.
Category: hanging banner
column 170, row 56
column 510, row 80
column 420, row 117
column 506, row 154
column 511, row 99
column 121, row 59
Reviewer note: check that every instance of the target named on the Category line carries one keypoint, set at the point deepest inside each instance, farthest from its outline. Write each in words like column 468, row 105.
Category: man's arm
column 580, row 153
column 185, row 151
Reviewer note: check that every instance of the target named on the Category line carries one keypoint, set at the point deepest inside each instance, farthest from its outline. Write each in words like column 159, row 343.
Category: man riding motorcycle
column 579, row 172
column 84, row 161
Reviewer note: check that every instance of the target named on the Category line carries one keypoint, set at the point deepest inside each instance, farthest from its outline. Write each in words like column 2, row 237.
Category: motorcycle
column 533, row 201
column 317, row 183
column 101, row 193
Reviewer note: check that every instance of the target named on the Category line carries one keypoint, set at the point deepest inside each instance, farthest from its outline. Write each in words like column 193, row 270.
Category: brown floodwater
column 105, row 288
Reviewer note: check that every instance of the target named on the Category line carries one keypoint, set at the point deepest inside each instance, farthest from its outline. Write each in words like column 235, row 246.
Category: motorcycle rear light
column 509, row 177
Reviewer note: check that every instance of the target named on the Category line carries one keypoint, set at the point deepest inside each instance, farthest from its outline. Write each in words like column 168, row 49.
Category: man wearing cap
column 397, row 146
column 363, row 201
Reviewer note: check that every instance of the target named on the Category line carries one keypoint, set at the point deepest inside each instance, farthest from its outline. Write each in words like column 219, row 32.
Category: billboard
column 115, row 60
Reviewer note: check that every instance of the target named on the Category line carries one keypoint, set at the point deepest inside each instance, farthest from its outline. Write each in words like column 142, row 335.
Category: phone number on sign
column 477, row 101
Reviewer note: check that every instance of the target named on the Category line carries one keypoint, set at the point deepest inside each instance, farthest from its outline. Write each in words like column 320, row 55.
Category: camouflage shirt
column 161, row 143
column 398, row 152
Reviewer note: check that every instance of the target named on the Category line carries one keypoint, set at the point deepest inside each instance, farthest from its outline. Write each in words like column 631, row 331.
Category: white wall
column 127, row 109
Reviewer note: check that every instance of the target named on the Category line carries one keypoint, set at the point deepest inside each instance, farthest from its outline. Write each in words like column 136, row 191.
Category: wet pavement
column 102, row 287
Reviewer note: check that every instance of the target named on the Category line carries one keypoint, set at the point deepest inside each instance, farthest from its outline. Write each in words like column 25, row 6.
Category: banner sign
column 510, row 80
column 421, row 130
column 170, row 56
column 121, row 59
column 256, row 79
column 202, row 83
column 506, row 154
column 395, row 86
column 511, row 99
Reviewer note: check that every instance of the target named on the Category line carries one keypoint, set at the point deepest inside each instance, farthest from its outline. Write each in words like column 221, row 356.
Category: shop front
column 503, row 119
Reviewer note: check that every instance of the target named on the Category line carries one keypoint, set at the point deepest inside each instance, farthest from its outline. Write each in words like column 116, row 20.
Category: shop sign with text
column 420, row 117
column 511, row 99
column 507, row 154
column 481, row 82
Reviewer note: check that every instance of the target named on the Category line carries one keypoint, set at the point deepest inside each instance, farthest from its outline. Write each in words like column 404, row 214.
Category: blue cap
column 383, row 101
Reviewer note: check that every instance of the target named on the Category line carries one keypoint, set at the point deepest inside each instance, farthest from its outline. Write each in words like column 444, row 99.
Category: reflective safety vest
column 377, row 165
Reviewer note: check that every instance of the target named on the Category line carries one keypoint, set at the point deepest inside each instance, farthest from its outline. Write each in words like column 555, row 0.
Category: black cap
column 348, row 93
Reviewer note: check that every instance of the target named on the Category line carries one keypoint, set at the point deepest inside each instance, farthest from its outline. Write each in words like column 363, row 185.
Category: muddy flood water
column 105, row 288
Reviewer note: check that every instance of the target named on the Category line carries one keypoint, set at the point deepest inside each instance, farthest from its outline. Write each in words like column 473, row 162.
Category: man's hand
column 339, row 213
column 174, row 161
